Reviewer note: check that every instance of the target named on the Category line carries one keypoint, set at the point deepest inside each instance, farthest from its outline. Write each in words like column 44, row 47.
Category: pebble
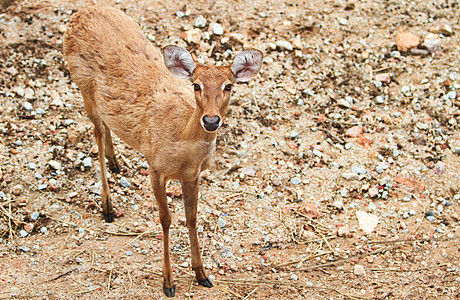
column 192, row 36
column 23, row 233
column 151, row 37
column 343, row 21
column 294, row 277
column 124, row 182
column 450, row 95
column 35, row 215
column 200, row 22
column 32, row 166
column 380, row 99
column 383, row 77
column 354, row 131
column 373, row 192
column 54, row 164
column 27, row 106
column 379, row 169
column 405, row 89
column 221, row 222
column 284, row 45
column 216, row 29
column 439, row 168
column 293, row 134
column 405, row 215
column 40, row 111
column 367, row 222
column 406, row 41
column 24, row 248
column 19, row 91
column 128, row 253
column 42, row 187
column 457, row 150
column 343, row 103
column 43, row 229
column 318, row 153
column 442, row 26
column 295, row 181
column 88, row 162
column 17, row 190
column 359, row 270
column 350, row 176
column 96, row 188
column 360, row 170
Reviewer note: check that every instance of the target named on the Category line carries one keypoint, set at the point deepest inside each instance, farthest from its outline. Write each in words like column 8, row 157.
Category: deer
column 131, row 88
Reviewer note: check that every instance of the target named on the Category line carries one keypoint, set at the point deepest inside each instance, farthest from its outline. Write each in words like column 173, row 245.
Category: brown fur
column 127, row 89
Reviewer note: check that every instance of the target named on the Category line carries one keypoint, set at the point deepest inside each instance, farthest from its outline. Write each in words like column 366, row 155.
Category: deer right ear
column 246, row 65
column 179, row 62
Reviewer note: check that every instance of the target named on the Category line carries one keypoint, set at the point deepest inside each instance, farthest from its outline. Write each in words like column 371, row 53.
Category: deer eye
column 228, row 87
column 196, row 86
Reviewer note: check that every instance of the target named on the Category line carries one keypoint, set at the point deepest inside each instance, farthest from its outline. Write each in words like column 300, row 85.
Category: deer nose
column 211, row 123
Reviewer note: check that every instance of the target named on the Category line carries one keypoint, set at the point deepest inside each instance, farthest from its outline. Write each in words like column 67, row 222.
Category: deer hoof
column 170, row 292
column 108, row 217
column 205, row 282
column 116, row 169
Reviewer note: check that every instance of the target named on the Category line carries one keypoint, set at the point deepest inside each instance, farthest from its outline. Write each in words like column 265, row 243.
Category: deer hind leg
column 110, row 152
column 100, row 135
column 190, row 194
column 159, row 190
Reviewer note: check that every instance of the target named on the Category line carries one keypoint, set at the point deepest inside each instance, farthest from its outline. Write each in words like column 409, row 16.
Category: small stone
column 379, row 169
column 405, row 89
column 200, row 22
column 431, row 44
column 350, row 176
column 293, row 134
column 151, row 37
column 442, row 26
column 294, row 277
column 297, row 43
column 439, row 168
column 54, row 185
column 359, row 270
column 405, row 215
column 284, row 45
column 40, row 111
column 457, row 150
column 61, row 28
column 343, row 21
column 295, row 181
column 343, row 230
column 23, row 233
column 27, row 106
column 318, row 153
column 96, row 188
column 380, row 99
column 360, row 170
column 450, row 95
column 216, row 29
column 54, row 164
column 343, row 103
column 367, row 222
column 412, row 212
column 32, row 166
column 383, row 77
column 43, row 229
column 29, row 227
column 17, row 190
column 221, row 222
column 192, row 36
column 24, row 248
column 124, row 182
column 19, row 91
column 249, row 171
column 406, row 41
column 42, row 187
column 373, row 192
column 184, row 265
column 180, row 14
column 354, row 131
column 129, row 253
column 87, row 162
column 35, row 215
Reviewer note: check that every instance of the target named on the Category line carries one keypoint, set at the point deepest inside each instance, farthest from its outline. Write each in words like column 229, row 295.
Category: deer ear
column 179, row 62
column 246, row 65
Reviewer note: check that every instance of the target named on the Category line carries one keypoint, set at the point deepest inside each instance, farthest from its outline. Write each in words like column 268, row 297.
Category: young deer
column 127, row 88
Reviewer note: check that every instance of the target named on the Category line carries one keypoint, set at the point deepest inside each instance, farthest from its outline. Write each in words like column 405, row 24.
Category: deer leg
column 159, row 189
column 190, row 195
column 110, row 152
column 100, row 135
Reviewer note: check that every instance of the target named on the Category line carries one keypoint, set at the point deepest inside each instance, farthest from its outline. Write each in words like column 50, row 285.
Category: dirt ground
column 337, row 170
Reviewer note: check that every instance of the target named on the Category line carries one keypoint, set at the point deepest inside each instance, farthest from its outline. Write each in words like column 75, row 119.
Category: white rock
column 350, row 176
column 27, row 106
column 216, row 29
column 343, row 103
column 87, row 162
column 367, row 222
column 284, row 45
column 54, row 164
column 359, row 270
column 200, row 22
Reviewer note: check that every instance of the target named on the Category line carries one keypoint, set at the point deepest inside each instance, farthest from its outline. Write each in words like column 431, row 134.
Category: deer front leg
column 190, row 192
column 158, row 184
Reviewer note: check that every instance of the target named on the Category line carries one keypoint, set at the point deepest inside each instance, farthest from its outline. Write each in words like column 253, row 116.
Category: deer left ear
column 179, row 62
column 246, row 65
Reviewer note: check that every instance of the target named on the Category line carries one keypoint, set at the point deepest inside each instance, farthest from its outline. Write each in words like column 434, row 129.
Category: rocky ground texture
column 337, row 171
